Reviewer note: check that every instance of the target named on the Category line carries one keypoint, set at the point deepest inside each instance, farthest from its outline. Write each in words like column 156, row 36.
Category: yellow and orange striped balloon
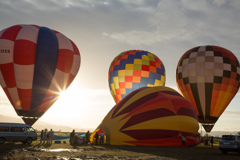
column 151, row 116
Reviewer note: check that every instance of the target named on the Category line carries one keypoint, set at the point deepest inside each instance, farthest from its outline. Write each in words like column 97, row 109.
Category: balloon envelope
column 151, row 116
column 208, row 76
column 36, row 64
column 133, row 69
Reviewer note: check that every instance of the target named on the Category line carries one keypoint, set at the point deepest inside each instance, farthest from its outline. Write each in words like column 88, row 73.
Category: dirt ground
column 36, row 151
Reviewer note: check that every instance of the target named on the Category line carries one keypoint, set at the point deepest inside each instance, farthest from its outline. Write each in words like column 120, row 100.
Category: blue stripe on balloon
column 123, row 95
column 158, row 76
column 138, row 55
column 160, row 71
column 152, row 75
column 115, row 73
column 144, row 53
column 151, row 81
column 45, row 65
column 116, row 68
column 111, row 77
column 122, row 64
column 144, row 82
column 128, row 91
column 130, row 59
column 135, row 86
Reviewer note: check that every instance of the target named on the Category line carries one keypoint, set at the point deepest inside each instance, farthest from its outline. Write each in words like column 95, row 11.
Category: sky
column 103, row 29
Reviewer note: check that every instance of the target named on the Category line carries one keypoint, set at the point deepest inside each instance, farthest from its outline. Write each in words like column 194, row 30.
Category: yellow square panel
column 118, row 97
column 145, row 74
column 121, row 73
column 121, row 78
column 137, row 61
column 129, row 73
column 150, row 54
column 116, row 85
column 136, row 79
column 145, row 57
column 150, row 85
column 128, row 85
column 113, row 89
column 129, row 67
column 157, row 82
column 115, row 79
column 123, row 91
column 163, row 78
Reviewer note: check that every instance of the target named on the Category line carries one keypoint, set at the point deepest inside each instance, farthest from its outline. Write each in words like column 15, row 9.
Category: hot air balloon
column 208, row 76
column 36, row 64
column 151, row 116
column 133, row 69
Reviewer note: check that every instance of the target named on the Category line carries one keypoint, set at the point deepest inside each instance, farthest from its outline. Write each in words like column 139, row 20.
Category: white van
column 17, row 132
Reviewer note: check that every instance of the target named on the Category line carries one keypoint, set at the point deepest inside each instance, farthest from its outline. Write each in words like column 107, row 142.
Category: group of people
column 73, row 139
column 96, row 136
column 46, row 136
column 87, row 138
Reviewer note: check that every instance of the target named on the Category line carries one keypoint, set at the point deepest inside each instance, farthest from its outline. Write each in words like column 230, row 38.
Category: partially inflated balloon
column 134, row 69
column 36, row 64
column 208, row 76
column 151, row 116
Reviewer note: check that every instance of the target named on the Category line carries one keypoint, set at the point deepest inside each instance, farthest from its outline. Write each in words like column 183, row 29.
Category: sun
column 70, row 104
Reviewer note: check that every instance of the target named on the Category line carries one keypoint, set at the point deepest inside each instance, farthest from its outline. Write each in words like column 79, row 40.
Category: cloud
column 135, row 37
column 4, row 103
column 232, row 112
column 199, row 22
column 97, row 92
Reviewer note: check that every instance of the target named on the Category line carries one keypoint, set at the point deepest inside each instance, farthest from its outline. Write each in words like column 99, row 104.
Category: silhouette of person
column 96, row 137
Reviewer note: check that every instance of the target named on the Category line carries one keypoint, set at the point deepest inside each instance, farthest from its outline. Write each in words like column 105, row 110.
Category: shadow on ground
column 196, row 153
column 46, row 151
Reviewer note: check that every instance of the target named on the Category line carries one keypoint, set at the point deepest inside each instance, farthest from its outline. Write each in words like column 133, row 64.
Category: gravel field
column 19, row 151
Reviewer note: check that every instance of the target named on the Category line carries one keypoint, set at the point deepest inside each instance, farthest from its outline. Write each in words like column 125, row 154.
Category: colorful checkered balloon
column 208, row 76
column 134, row 69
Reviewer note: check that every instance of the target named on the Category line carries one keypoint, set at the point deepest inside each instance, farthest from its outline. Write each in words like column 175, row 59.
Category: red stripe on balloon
column 149, row 134
column 26, row 52
column 11, row 33
column 148, row 115
column 25, row 97
column 65, row 60
column 8, row 74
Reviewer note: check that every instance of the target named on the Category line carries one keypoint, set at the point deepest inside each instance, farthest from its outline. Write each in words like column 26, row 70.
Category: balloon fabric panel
column 61, row 75
column 7, row 39
column 24, row 59
column 134, row 69
column 209, row 77
column 45, row 65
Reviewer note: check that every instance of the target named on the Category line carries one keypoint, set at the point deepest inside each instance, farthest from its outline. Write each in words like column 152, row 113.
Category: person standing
column 96, row 137
column 72, row 135
column 212, row 141
column 45, row 135
column 183, row 140
column 87, row 135
column 101, row 138
column 42, row 136
column 50, row 136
